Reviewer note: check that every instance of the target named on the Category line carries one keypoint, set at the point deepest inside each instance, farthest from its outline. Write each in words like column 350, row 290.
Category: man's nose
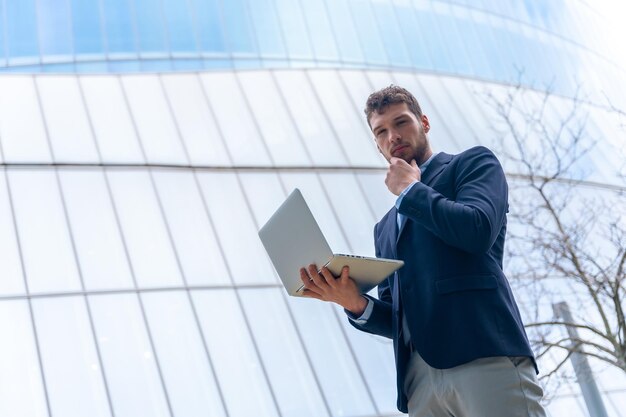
column 394, row 136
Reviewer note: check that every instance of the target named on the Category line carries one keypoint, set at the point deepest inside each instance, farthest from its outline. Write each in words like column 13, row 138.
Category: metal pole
column 591, row 394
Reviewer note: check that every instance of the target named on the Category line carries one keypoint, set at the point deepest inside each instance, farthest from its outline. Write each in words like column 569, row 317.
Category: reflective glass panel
column 74, row 379
column 22, row 128
column 3, row 56
column 267, row 28
column 194, row 120
column 45, row 240
column 445, row 24
column 130, row 364
column 153, row 119
column 419, row 51
column 87, row 27
column 181, row 30
column 234, row 119
column 99, row 246
column 55, row 38
column 198, row 250
column 323, row 39
column 148, row 243
column 187, row 371
column 149, row 23
column 345, row 118
column 368, row 32
column 288, row 368
column 66, row 120
column 348, row 42
column 236, row 229
column 335, row 365
column 273, row 119
column 21, row 386
column 234, row 354
column 111, row 120
column 393, row 41
column 208, row 23
column 237, row 24
column 295, row 29
column 119, row 27
column 310, row 121
column 21, row 31
column 12, row 281
column 428, row 27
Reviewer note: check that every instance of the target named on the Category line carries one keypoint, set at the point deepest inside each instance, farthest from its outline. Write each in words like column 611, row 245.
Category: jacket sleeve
column 380, row 321
column 473, row 220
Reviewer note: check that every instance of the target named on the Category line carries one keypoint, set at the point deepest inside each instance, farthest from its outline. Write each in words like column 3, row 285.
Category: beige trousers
column 487, row 387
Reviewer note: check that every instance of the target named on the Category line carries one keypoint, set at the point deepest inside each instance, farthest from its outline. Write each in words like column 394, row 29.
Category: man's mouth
column 398, row 149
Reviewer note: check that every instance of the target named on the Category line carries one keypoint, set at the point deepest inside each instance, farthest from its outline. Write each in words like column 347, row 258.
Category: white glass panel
column 317, row 200
column 379, row 80
column 353, row 211
column 273, row 119
column 70, row 361
column 45, row 240
column 198, row 250
column 377, row 193
column 153, row 119
column 309, row 118
column 236, row 361
column 264, row 192
column 347, row 120
column 375, row 356
column 359, row 89
column 289, row 371
column 149, row 246
column 236, row 229
column 440, row 137
column 455, row 119
column 186, row 369
column 112, row 123
column 22, row 128
column 472, row 105
column 99, row 244
column 21, row 387
column 66, row 120
column 12, row 281
column 236, row 124
column 194, row 120
column 336, row 369
column 127, row 356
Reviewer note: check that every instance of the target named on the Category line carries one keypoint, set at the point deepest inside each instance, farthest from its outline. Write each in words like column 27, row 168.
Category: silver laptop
column 293, row 239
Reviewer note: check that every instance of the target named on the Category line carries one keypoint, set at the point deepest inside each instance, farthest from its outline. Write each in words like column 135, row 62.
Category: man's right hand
column 341, row 290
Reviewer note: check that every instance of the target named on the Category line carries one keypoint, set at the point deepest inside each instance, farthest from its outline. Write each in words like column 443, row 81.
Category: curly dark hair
column 379, row 100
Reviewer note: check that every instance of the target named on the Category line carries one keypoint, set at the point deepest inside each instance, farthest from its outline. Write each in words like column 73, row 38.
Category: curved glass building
column 144, row 142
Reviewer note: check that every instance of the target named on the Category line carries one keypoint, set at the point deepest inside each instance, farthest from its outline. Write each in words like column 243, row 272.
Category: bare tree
column 567, row 228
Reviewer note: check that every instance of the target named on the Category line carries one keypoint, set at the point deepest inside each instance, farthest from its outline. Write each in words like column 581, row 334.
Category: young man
column 459, row 342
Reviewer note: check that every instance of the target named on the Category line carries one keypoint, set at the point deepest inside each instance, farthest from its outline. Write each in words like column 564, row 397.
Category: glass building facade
column 144, row 142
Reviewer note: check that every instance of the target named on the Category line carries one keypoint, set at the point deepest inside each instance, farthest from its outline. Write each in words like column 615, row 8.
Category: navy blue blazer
column 452, row 290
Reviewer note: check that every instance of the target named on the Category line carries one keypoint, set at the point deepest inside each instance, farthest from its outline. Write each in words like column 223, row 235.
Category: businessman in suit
column 459, row 342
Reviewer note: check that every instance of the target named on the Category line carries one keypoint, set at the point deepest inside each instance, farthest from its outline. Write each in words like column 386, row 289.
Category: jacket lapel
column 436, row 167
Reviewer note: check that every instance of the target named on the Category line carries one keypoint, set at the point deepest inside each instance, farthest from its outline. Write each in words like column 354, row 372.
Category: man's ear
column 425, row 123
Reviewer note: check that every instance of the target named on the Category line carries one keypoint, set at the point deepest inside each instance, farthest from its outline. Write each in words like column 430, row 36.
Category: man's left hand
column 401, row 174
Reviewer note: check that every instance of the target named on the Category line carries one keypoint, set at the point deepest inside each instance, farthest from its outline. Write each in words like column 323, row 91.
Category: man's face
column 401, row 133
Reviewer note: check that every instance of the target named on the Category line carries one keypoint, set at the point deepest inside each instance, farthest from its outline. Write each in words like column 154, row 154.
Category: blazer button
column 418, row 213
